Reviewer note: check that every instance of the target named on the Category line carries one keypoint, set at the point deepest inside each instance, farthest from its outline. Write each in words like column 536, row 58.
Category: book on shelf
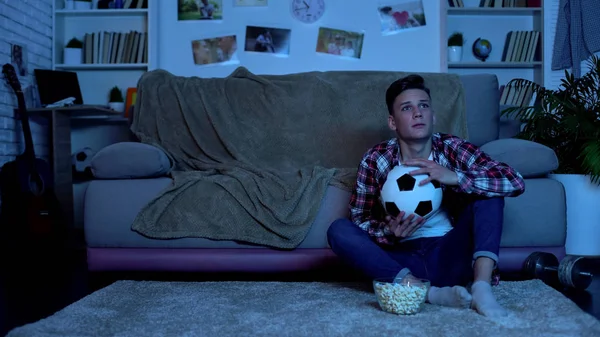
column 513, row 94
column 500, row 3
column 521, row 46
column 456, row 3
column 115, row 47
column 131, row 4
column 508, row 3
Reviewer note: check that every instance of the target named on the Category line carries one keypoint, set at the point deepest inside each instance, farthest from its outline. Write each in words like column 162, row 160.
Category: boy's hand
column 434, row 171
column 404, row 228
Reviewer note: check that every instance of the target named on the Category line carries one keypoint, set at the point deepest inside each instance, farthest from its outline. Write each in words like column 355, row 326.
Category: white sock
column 484, row 301
column 457, row 296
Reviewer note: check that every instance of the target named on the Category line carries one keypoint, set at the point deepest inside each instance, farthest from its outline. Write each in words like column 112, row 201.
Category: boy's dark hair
column 405, row 83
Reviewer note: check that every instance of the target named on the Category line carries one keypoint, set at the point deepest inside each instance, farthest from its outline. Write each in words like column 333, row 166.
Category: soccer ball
column 401, row 192
column 81, row 163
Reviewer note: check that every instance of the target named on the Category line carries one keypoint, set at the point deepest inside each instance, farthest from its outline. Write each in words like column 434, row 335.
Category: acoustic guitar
column 29, row 209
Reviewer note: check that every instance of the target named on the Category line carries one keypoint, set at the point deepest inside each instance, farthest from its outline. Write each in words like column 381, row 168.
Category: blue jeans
column 445, row 261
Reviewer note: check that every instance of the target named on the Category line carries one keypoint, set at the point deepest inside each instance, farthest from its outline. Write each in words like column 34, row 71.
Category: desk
column 60, row 148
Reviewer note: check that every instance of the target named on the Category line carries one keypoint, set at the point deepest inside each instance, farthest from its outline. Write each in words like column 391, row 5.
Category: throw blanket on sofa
column 254, row 154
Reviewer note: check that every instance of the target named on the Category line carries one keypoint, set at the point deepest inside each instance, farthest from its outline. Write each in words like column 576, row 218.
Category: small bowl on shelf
column 401, row 297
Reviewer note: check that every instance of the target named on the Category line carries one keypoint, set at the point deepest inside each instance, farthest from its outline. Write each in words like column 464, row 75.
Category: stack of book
column 521, row 46
column 115, row 47
column 511, row 94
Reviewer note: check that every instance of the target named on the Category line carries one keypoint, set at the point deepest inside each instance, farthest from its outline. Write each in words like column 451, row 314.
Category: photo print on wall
column 18, row 58
column 199, row 10
column 339, row 42
column 268, row 40
column 217, row 50
column 399, row 15
column 250, row 3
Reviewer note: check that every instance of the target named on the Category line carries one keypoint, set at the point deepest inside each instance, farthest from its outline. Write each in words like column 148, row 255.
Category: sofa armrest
column 529, row 158
column 130, row 160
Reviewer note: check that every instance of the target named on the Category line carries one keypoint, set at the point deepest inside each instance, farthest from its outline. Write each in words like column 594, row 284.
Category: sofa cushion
column 127, row 160
column 482, row 99
column 509, row 126
column 529, row 158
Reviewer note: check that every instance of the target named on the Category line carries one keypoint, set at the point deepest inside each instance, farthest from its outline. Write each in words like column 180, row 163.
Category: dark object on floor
column 572, row 271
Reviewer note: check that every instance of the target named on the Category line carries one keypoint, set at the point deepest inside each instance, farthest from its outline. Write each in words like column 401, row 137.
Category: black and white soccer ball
column 401, row 192
column 81, row 163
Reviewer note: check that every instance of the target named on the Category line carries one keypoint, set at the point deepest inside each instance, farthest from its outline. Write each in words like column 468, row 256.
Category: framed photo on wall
column 220, row 49
column 397, row 16
column 199, row 10
column 269, row 40
column 340, row 42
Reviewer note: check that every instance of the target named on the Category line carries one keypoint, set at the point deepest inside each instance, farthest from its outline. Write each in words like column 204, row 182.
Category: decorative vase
column 117, row 106
column 69, row 4
column 583, row 214
column 83, row 5
column 455, row 53
column 73, row 56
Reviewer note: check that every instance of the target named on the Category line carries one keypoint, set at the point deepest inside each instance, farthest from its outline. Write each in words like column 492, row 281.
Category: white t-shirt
column 438, row 224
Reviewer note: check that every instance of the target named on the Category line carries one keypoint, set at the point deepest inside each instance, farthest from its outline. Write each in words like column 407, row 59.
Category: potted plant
column 568, row 121
column 73, row 53
column 116, row 101
column 455, row 47
column 83, row 4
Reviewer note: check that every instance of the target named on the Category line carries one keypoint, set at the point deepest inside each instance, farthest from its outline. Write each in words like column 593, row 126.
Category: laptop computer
column 56, row 85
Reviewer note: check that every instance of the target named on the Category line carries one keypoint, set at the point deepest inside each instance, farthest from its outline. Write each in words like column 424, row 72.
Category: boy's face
column 413, row 117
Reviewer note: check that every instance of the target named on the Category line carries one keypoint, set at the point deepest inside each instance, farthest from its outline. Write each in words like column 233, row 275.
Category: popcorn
column 400, row 298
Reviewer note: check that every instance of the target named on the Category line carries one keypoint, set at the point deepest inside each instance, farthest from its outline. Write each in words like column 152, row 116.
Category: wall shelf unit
column 516, row 31
column 100, row 30
column 109, row 66
column 493, row 10
column 492, row 65
column 101, row 12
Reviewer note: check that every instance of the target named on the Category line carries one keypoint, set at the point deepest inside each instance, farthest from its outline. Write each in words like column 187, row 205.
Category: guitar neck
column 29, row 149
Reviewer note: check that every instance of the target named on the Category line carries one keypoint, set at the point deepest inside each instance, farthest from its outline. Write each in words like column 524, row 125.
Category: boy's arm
column 364, row 198
column 479, row 174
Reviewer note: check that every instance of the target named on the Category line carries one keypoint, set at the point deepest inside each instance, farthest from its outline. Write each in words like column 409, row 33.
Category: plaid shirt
column 477, row 174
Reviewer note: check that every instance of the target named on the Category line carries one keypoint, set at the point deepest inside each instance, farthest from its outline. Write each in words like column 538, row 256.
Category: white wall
column 28, row 23
column 412, row 50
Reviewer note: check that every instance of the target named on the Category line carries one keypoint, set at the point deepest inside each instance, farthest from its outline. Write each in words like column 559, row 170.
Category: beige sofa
column 130, row 175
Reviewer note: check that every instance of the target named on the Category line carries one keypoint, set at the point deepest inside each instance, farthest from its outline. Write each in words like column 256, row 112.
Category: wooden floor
column 31, row 294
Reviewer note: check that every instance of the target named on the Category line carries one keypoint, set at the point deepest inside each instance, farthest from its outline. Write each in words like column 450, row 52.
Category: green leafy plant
column 456, row 40
column 116, row 95
column 74, row 43
column 566, row 119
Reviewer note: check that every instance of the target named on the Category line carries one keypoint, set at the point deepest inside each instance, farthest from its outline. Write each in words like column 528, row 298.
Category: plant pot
column 83, row 5
column 455, row 53
column 73, row 56
column 117, row 106
column 583, row 214
column 69, row 4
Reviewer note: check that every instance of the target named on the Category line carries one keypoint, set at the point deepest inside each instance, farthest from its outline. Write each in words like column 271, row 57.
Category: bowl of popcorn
column 401, row 297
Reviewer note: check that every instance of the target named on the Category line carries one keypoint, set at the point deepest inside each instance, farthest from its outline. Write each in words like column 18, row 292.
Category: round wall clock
column 307, row 11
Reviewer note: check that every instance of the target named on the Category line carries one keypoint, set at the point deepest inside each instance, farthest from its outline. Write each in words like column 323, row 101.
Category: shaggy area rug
column 148, row 308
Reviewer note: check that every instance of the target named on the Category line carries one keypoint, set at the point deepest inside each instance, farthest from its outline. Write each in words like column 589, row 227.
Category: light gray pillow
column 531, row 159
column 130, row 160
